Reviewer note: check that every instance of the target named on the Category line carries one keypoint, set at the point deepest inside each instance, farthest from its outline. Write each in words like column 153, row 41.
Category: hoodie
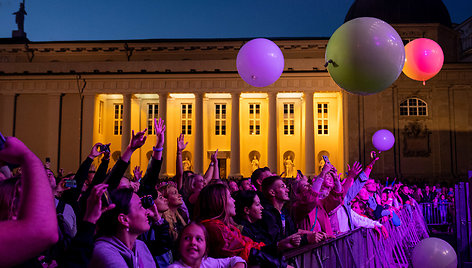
column 111, row 252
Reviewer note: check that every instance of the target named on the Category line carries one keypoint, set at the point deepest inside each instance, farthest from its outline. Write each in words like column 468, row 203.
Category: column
column 126, row 134
column 163, row 115
column 309, row 135
column 52, row 125
column 198, row 128
column 88, row 123
column 272, row 135
column 7, row 106
column 235, row 147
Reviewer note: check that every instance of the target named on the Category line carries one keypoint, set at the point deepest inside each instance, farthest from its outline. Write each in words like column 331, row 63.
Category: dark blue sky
column 57, row 20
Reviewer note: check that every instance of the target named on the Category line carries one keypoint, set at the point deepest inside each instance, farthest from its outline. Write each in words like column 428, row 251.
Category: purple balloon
column 383, row 140
column 260, row 62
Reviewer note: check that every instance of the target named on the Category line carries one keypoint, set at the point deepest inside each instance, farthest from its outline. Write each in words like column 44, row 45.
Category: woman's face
column 173, row 196
column 255, row 211
column 192, row 245
column 161, row 203
column 198, row 183
column 230, row 207
column 137, row 216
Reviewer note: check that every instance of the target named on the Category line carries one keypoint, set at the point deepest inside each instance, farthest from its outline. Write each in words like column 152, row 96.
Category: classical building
column 62, row 97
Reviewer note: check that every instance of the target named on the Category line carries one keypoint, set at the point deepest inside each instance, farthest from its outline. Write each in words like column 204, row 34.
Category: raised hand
column 137, row 140
column 354, row 170
column 138, row 173
column 214, row 157
column 181, row 145
column 326, row 168
column 160, row 129
column 94, row 204
column 95, row 150
column 14, row 151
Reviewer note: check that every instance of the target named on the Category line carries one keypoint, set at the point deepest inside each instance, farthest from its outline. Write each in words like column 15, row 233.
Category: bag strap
column 60, row 207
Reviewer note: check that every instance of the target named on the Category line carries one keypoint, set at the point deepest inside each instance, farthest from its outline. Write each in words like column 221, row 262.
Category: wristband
column 212, row 164
column 157, row 149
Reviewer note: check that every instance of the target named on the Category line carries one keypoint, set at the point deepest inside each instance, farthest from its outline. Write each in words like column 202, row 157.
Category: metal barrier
column 362, row 248
column 438, row 214
column 463, row 205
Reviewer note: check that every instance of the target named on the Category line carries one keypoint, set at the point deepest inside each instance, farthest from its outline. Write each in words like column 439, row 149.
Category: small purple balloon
column 260, row 62
column 383, row 140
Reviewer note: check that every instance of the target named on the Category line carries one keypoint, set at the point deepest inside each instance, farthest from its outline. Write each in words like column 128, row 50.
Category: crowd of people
column 108, row 218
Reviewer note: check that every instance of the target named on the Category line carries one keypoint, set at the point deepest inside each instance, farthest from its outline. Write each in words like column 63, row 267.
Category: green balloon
column 365, row 55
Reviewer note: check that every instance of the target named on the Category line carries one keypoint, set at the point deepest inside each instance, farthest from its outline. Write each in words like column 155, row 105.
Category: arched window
column 414, row 107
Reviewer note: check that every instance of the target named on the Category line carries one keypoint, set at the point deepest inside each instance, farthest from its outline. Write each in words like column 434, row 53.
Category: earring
column 127, row 229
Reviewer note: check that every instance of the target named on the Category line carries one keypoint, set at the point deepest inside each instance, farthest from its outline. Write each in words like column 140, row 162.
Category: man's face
column 246, row 185
column 280, row 190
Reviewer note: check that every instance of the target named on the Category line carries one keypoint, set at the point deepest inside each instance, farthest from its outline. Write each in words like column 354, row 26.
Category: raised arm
column 35, row 229
column 320, row 178
column 216, row 170
column 179, row 170
column 119, row 169
column 151, row 178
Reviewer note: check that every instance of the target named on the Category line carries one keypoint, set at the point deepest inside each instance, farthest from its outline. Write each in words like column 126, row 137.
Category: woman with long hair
column 118, row 230
column 176, row 215
column 215, row 209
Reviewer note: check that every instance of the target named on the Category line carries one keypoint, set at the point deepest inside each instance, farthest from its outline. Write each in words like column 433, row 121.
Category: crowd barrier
column 363, row 247
column 463, row 223
column 438, row 214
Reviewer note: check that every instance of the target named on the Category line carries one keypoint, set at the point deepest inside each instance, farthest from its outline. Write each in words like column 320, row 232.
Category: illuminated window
column 289, row 119
column 153, row 111
column 322, row 119
column 413, row 107
column 220, row 119
column 100, row 117
column 118, row 119
column 254, row 119
column 186, row 119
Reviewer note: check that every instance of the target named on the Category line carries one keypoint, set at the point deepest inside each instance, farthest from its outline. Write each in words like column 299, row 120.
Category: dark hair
column 212, row 202
column 240, row 182
column 243, row 199
column 205, row 233
column 256, row 174
column 267, row 183
column 108, row 223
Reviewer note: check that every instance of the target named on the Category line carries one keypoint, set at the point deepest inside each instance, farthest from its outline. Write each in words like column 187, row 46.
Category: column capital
column 272, row 93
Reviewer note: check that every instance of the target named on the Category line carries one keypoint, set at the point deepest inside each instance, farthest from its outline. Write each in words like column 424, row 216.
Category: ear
column 123, row 220
column 271, row 192
column 246, row 210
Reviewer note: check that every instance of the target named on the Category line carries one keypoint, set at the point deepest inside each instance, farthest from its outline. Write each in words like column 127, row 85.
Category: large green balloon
column 365, row 55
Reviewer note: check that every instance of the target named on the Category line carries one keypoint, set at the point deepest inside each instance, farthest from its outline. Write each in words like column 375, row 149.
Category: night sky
column 63, row 20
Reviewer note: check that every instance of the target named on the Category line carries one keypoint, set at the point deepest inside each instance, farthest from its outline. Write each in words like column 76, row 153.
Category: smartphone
column 2, row 141
column 105, row 148
column 326, row 159
column 70, row 183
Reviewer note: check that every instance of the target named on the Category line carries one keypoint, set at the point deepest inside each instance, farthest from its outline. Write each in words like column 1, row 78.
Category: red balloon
column 423, row 59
